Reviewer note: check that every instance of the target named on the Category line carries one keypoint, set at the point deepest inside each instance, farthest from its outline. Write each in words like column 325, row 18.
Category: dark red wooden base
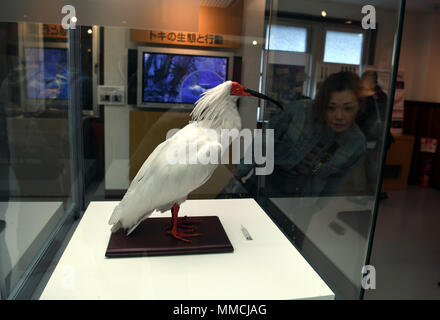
column 150, row 238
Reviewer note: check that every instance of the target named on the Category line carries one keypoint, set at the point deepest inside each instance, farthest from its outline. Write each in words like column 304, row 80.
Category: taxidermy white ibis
column 161, row 185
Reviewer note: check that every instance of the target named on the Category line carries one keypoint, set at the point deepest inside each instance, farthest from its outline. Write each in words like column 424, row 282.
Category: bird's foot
column 188, row 228
column 188, row 221
column 182, row 235
column 185, row 223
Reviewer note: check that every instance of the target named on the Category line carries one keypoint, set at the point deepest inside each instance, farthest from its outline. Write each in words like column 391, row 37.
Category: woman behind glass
column 317, row 143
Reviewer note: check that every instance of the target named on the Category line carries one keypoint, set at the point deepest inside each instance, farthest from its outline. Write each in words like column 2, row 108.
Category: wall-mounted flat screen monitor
column 46, row 73
column 179, row 76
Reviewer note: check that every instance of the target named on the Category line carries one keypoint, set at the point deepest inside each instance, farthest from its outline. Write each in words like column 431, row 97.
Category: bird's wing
column 165, row 179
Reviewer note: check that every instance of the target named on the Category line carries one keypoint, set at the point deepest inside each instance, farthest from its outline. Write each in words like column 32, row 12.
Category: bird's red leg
column 174, row 231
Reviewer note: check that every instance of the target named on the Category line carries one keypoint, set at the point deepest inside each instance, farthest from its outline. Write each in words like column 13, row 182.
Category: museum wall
column 253, row 28
column 115, row 73
column 419, row 56
column 116, row 118
column 154, row 14
column 432, row 92
column 385, row 18
column 115, row 59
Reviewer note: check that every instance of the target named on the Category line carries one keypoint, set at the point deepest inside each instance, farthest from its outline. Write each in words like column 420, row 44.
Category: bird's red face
column 238, row 90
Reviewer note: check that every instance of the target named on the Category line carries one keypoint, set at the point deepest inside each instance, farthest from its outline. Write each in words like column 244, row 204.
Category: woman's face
column 342, row 110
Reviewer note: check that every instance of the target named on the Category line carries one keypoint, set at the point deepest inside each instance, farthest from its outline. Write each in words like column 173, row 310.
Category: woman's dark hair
column 336, row 82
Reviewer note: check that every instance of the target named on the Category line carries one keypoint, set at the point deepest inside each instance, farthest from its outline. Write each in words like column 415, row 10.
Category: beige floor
column 406, row 247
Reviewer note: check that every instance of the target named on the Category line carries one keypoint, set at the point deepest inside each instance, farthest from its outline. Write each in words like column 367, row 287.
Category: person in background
column 372, row 123
column 375, row 106
column 317, row 143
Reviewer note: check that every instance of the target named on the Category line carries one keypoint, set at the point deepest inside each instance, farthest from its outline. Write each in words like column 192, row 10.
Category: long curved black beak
column 263, row 96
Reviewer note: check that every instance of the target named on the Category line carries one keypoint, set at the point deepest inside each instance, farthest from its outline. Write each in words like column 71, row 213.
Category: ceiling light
column 323, row 13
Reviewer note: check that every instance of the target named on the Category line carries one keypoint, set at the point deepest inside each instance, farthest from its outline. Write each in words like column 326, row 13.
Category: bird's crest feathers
column 209, row 108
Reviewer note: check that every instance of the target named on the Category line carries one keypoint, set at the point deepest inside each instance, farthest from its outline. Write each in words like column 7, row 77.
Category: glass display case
column 89, row 91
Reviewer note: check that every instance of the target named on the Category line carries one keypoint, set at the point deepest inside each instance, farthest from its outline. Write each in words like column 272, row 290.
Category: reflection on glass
column 287, row 82
column 287, row 38
column 328, row 143
column 35, row 164
column 343, row 47
column 180, row 78
column 317, row 143
column 46, row 73
column 371, row 121
column 327, row 146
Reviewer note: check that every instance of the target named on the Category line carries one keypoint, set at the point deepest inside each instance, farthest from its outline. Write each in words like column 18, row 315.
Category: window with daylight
column 287, row 38
column 343, row 47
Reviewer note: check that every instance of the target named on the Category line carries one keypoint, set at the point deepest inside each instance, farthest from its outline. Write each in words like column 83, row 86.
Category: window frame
column 290, row 23
column 347, row 29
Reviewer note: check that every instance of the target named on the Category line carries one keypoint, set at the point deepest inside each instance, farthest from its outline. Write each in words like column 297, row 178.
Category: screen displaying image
column 175, row 78
column 46, row 73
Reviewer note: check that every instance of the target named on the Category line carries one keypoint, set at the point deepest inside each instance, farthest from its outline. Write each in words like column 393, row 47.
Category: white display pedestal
column 267, row 267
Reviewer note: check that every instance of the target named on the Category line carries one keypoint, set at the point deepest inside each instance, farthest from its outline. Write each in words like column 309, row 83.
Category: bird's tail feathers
column 134, row 227
column 116, row 227
column 116, row 214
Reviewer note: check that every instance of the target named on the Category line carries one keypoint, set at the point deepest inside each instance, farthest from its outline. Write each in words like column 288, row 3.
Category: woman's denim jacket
column 309, row 157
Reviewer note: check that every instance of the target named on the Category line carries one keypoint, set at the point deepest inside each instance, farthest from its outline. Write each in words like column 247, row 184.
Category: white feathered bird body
column 160, row 183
